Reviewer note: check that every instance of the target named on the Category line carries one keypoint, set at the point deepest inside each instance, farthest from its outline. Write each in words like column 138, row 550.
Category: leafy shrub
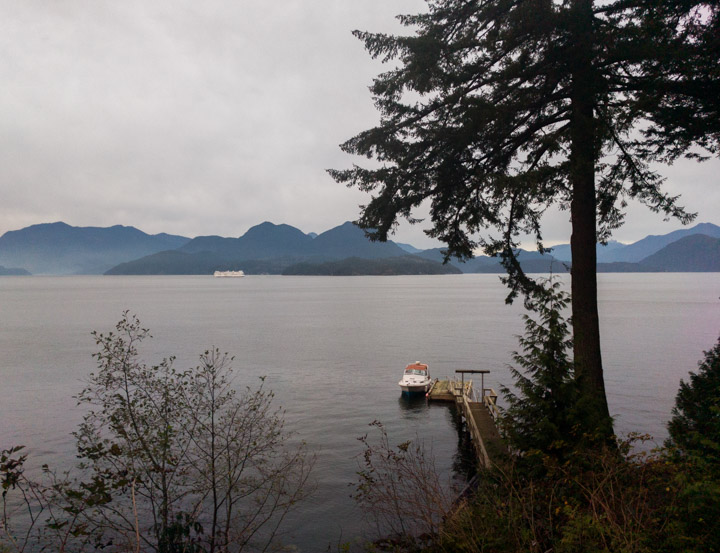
column 170, row 461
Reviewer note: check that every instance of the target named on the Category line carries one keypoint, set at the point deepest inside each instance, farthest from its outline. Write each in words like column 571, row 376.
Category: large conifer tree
column 496, row 110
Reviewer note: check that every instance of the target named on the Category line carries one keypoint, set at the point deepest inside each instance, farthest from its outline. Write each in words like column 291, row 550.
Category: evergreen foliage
column 695, row 442
column 558, row 494
column 680, row 91
column 497, row 110
column 606, row 500
column 539, row 417
column 695, row 426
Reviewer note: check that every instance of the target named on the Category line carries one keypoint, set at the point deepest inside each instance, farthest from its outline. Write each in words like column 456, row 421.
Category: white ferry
column 228, row 274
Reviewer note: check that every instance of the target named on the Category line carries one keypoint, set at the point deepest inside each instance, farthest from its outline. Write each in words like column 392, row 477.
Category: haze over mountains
column 58, row 248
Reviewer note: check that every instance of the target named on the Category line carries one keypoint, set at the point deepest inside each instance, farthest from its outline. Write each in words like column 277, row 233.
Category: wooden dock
column 445, row 390
column 479, row 411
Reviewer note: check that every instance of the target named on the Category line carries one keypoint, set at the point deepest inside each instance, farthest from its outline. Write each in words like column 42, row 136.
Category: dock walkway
column 480, row 414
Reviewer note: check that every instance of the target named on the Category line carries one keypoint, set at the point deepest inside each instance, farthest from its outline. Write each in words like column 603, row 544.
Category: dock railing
column 475, row 432
column 482, row 428
column 479, row 409
column 489, row 398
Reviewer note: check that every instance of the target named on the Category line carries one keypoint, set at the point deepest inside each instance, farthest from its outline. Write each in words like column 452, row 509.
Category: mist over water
column 333, row 349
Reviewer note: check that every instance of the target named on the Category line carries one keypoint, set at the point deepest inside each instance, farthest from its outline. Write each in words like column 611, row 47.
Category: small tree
column 540, row 416
column 695, row 444
column 399, row 488
column 246, row 475
column 173, row 461
column 695, row 426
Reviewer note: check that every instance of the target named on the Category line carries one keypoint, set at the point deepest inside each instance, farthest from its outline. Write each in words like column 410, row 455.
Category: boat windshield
column 415, row 371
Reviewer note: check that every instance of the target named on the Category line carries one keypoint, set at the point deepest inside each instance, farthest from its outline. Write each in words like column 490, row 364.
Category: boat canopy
column 417, row 366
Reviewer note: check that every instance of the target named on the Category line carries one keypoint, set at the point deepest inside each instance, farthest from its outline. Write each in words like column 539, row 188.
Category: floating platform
column 447, row 390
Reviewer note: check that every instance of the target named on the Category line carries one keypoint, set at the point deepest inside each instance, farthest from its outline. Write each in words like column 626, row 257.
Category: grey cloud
column 201, row 117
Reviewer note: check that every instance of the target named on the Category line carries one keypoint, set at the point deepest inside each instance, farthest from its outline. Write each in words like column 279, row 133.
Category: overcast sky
column 208, row 117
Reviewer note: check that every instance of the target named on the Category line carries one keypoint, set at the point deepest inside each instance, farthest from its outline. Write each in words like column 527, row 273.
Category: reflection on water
column 414, row 403
column 464, row 460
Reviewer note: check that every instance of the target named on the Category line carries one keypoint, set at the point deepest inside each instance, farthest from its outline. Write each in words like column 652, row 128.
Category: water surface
column 333, row 349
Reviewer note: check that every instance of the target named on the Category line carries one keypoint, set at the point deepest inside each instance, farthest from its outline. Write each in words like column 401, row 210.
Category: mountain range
column 633, row 253
column 58, row 248
column 268, row 248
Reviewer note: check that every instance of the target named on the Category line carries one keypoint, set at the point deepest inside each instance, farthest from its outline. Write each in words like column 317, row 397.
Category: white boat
column 416, row 379
column 228, row 274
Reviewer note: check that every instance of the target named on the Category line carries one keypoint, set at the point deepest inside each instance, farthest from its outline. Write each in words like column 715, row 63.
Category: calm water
column 333, row 349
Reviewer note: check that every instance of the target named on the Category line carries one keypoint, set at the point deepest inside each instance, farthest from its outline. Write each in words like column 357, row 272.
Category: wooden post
column 482, row 385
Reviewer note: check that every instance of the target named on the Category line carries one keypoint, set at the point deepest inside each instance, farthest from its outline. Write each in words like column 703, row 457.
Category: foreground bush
column 400, row 490
column 606, row 499
column 170, row 461
column 599, row 497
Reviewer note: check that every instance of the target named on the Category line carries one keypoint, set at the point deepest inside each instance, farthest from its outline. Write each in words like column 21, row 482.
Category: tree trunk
column 593, row 406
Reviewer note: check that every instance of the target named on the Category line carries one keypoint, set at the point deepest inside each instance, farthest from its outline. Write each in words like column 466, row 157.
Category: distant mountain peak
column 265, row 224
column 59, row 248
column 691, row 253
column 703, row 227
column 268, row 227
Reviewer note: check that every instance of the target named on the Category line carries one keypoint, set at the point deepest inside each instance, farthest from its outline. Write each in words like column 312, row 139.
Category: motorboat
column 416, row 379
column 228, row 274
